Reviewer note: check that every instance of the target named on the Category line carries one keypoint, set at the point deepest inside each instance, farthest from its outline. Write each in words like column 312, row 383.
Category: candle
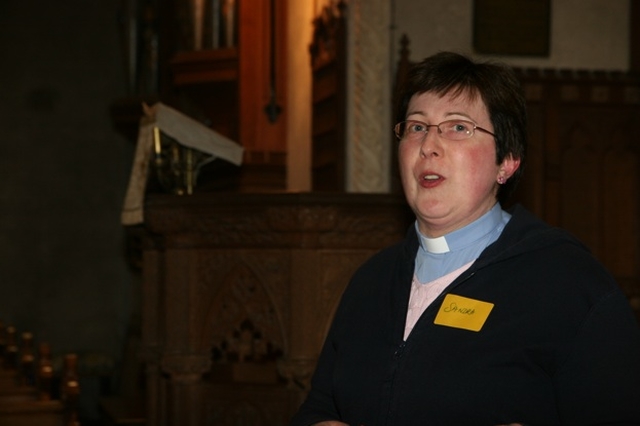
column 156, row 140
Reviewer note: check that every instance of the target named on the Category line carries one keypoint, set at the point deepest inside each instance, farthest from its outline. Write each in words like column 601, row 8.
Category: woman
column 479, row 316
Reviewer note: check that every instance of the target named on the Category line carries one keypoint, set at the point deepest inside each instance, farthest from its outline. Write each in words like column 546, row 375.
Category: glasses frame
column 475, row 127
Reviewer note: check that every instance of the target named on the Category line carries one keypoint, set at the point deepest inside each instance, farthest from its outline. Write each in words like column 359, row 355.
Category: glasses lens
column 457, row 130
column 410, row 129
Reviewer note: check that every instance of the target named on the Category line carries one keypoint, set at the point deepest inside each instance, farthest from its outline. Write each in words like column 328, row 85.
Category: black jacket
column 559, row 346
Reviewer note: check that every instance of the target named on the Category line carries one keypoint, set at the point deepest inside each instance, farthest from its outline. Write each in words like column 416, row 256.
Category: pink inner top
column 422, row 294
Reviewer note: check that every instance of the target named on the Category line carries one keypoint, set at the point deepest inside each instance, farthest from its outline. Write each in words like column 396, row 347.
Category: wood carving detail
column 185, row 366
column 244, row 316
column 283, row 225
column 240, row 291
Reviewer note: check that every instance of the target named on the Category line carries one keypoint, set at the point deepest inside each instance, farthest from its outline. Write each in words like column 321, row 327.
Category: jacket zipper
column 399, row 352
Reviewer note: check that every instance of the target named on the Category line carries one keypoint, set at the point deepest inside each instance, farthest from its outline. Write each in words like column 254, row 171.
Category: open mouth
column 429, row 180
column 431, row 177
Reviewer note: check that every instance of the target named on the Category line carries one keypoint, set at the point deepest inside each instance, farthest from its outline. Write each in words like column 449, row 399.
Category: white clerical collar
column 436, row 245
column 491, row 222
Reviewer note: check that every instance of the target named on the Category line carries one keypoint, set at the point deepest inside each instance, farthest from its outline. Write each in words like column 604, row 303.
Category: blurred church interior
column 150, row 280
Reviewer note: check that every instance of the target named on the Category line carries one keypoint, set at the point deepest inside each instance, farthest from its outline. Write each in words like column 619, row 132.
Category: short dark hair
column 496, row 84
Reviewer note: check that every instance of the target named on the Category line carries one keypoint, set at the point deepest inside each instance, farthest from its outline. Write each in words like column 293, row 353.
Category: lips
column 429, row 180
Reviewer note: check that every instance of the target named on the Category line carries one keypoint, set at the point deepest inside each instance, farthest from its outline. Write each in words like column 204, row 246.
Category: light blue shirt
column 439, row 256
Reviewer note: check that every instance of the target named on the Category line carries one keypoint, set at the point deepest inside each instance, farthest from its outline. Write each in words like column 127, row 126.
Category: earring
column 501, row 180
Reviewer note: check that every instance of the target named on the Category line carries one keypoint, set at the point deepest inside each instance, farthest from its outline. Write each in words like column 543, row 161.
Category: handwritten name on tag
column 462, row 312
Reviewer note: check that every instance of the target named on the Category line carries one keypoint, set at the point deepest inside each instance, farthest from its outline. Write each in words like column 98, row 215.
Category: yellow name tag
column 462, row 312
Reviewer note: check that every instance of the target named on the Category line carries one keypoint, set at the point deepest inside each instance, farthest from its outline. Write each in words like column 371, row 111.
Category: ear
column 508, row 167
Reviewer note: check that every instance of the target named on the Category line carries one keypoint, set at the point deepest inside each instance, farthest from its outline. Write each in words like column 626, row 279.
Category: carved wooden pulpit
column 239, row 291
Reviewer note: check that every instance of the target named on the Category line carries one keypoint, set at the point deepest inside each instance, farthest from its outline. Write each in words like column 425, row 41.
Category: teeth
column 431, row 177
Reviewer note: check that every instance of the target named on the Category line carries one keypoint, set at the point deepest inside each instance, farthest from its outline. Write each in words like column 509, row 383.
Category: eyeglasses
column 453, row 130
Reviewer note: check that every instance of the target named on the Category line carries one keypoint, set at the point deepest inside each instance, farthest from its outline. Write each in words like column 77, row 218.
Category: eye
column 463, row 127
column 415, row 127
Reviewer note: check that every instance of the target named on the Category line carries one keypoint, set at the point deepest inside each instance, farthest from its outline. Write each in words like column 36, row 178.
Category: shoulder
column 525, row 232
column 550, row 257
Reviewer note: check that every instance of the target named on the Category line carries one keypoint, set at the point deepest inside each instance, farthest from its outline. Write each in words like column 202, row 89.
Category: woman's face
column 449, row 184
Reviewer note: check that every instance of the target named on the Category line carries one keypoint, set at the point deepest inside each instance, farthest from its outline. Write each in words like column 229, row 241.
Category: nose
column 430, row 145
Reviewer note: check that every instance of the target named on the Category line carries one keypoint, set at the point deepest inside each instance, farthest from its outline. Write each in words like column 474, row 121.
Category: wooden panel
column 32, row 413
column 260, row 54
column 531, row 190
column 580, row 180
column 230, row 281
column 620, row 220
column 589, row 162
column 205, row 66
column 248, row 405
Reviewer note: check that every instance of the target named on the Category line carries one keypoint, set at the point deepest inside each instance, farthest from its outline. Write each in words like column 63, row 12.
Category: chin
column 430, row 215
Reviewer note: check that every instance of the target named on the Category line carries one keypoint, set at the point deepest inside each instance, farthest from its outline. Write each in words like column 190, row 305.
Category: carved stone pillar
column 369, row 132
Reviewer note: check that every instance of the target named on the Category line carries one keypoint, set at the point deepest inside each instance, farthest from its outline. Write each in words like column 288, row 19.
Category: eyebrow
column 460, row 113
column 447, row 115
